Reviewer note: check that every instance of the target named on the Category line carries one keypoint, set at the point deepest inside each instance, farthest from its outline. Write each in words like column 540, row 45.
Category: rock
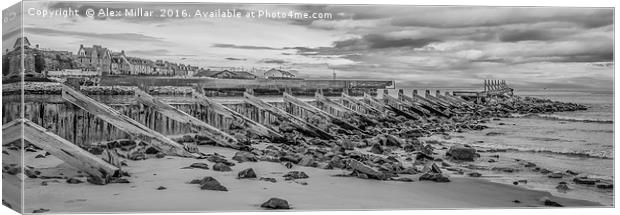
column 403, row 179
column 517, row 201
column 530, row 164
column 272, row 180
column 474, row 174
column 199, row 165
column 275, row 203
column 571, row 172
column 377, row 149
column 246, row 173
column 74, row 181
column 288, row 165
column 555, row 175
column 515, row 182
column 307, row 160
column 585, row 180
column 219, row 159
column 209, row 183
column 360, row 167
column 548, row 202
column 161, row 188
column 431, row 167
column 295, row 175
column 436, row 177
column 494, row 133
column 40, row 210
column 120, row 181
column 221, row 167
column 460, row 152
column 302, row 182
column 39, row 156
column 604, row 185
column 243, row 156
column 562, row 187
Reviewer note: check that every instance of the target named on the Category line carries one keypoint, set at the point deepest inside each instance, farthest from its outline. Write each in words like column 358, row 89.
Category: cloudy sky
column 530, row 47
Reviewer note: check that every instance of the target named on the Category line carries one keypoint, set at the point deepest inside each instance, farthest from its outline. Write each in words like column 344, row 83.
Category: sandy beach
column 324, row 190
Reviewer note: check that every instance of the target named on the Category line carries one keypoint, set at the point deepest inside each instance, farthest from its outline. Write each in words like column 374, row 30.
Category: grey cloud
column 525, row 35
column 113, row 36
column 223, row 45
column 235, row 59
column 272, row 61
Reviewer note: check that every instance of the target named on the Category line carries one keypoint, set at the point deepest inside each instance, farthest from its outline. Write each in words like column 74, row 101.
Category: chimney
column 36, row 46
column 123, row 52
column 81, row 45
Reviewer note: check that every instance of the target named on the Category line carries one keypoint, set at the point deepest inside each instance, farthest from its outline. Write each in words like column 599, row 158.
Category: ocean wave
column 563, row 118
column 584, row 154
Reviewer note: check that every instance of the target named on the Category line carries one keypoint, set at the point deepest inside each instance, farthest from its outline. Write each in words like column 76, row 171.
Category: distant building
column 33, row 59
column 278, row 74
column 94, row 58
column 139, row 66
column 119, row 64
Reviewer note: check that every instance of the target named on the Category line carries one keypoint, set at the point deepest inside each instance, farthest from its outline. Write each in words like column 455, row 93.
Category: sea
column 579, row 141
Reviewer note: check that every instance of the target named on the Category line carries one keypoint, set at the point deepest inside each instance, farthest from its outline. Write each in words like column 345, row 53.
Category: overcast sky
column 417, row 46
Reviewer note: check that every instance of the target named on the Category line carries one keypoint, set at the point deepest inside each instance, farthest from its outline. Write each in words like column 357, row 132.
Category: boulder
column 555, row 175
column 604, row 185
column 360, row 167
column 431, row 167
column 562, row 187
column 436, row 177
column 295, row 175
column 460, row 152
column 221, row 167
column 243, row 156
column 74, row 181
column 474, row 174
column 275, row 203
column 246, row 173
column 209, row 183
column 307, row 160
column 585, row 180
column 199, row 165
column 272, row 180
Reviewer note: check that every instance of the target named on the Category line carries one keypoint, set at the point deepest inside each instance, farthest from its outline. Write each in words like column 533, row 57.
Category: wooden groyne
column 82, row 122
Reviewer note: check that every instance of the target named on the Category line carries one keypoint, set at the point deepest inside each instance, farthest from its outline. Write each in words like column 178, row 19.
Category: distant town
column 91, row 63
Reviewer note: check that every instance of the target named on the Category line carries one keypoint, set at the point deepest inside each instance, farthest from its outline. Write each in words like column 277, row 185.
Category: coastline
column 323, row 191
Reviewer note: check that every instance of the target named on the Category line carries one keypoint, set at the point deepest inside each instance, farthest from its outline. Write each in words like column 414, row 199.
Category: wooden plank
column 245, row 122
column 446, row 100
column 282, row 115
column 333, row 119
column 427, row 101
column 430, row 109
column 341, row 108
column 430, row 97
column 394, row 106
column 213, row 133
column 360, row 104
column 100, row 171
column 374, row 102
column 125, row 123
column 458, row 98
column 409, row 108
